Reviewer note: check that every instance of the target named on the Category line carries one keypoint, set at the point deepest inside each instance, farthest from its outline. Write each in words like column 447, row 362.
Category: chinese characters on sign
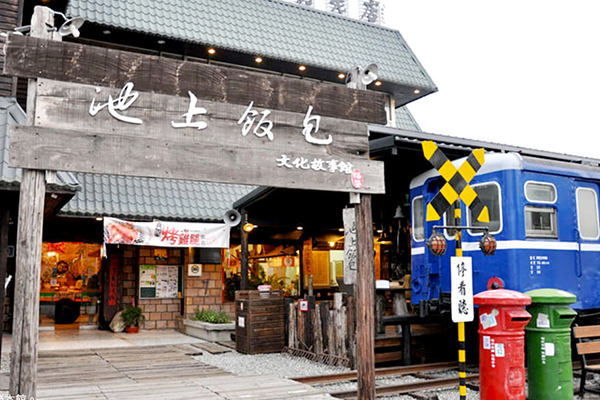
column 165, row 234
column 461, row 272
column 350, row 256
column 251, row 121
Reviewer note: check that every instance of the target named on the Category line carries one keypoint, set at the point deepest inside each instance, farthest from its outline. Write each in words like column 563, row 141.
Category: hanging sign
column 461, row 279
column 165, row 234
column 349, row 217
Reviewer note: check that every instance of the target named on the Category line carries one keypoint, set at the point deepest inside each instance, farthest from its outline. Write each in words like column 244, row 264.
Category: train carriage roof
column 514, row 161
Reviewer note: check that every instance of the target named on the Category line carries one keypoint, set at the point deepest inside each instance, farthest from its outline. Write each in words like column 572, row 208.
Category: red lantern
column 488, row 244
column 437, row 244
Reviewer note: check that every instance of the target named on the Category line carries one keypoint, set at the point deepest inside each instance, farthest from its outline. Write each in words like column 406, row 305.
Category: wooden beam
column 365, row 298
column 30, row 57
column 4, row 229
column 24, row 350
column 175, row 158
column 244, row 258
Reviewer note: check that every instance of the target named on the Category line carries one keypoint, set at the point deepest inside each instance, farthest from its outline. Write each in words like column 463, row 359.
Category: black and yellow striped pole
column 455, row 189
column 462, row 347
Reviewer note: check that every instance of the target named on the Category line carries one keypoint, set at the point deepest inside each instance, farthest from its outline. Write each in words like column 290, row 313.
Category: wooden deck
column 153, row 372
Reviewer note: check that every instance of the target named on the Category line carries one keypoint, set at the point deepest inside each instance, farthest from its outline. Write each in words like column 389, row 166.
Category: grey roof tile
column 405, row 120
column 150, row 198
column 271, row 28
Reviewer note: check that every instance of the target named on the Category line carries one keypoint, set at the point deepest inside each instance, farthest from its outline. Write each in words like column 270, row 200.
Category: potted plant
column 133, row 317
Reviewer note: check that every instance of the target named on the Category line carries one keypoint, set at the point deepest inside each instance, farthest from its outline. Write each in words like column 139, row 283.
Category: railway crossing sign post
column 457, row 187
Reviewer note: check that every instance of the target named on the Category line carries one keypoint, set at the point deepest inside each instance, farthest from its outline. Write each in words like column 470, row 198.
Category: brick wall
column 204, row 291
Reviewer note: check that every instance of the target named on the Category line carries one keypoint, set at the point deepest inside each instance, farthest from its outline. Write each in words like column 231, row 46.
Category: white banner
column 166, row 234
column 349, row 217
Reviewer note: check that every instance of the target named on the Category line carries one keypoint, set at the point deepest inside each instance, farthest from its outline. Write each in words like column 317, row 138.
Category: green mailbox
column 548, row 341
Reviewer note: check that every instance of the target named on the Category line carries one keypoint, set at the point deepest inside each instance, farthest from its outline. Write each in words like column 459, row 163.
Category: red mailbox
column 502, row 321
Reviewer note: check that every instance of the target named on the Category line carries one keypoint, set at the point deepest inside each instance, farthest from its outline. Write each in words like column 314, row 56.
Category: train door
column 588, row 235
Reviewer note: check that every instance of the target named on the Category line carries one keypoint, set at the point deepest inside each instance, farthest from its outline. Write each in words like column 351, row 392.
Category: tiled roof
column 150, row 198
column 405, row 120
column 270, row 28
column 12, row 113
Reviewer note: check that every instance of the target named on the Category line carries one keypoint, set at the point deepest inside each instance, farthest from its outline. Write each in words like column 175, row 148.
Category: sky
column 518, row 72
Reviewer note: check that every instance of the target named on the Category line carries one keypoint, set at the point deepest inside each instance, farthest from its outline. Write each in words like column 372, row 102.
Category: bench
column 588, row 344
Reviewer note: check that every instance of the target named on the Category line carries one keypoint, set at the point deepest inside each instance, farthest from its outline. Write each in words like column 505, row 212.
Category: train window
column 540, row 192
column 540, row 222
column 489, row 193
column 587, row 213
column 418, row 219
column 449, row 220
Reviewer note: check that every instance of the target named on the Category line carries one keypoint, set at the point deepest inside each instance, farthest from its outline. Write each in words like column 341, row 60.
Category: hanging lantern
column 488, row 244
column 437, row 244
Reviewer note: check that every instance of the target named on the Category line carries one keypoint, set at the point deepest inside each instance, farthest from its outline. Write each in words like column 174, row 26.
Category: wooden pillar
column 244, row 245
column 29, row 250
column 4, row 228
column 365, row 297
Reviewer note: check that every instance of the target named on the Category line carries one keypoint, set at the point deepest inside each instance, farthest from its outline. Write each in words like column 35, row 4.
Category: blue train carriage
column 544, row 215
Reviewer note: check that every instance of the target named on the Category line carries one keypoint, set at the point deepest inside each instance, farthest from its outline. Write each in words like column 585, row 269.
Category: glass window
column 449, row 221
column 540, row 192
column 540, row 222
column 587, row 213
column 489, row 193
column 418, row 219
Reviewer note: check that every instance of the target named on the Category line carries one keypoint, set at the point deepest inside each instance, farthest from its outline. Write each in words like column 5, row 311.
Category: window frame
column 543, row 184
column 536, row 234
column 412, row 217
column 586, row 188
column 501, row 226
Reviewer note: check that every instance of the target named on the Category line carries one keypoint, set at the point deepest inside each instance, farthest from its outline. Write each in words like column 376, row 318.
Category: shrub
column 132, row 316
column 212, row 316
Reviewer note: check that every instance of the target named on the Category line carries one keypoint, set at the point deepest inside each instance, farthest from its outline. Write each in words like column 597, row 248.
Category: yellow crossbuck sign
column 457, row 183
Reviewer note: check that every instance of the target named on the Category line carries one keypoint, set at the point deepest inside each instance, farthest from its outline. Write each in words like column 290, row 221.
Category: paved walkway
column 85, row 365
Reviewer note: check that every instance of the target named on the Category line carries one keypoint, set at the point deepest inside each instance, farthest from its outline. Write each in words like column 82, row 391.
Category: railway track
column 411, row 387
column 379, row 372
column 429, row 384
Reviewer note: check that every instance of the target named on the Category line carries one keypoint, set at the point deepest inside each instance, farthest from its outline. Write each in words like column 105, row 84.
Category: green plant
column 212, row 316
column 133, row 316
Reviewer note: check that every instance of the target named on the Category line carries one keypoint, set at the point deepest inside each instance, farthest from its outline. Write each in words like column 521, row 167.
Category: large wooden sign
column 125, row 131
column 30, row 57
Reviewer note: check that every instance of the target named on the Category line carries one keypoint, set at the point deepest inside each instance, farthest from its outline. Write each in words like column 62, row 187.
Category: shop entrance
column 70, row 290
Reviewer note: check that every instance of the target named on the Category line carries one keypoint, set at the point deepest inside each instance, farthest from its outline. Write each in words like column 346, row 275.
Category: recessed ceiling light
column 211, row 50
column 416, row 91
column 378, row 83
column 258, row 60
column 299, row 228
column 160, row 41
column 341, row 230
column 106, row 32
column 342, row 75
column 98, row 218
column 302, row 68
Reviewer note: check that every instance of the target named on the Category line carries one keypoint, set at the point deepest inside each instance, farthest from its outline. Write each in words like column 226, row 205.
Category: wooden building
column 199, row 33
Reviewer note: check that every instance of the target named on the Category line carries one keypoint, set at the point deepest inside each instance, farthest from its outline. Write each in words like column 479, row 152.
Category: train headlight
column 437, row 244
column 488, row 244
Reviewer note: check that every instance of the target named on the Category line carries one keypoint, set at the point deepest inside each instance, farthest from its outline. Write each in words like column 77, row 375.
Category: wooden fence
column 327, row 327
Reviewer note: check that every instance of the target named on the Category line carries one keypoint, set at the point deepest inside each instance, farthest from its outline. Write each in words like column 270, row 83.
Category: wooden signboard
column 121, row 131
column 30, row 57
